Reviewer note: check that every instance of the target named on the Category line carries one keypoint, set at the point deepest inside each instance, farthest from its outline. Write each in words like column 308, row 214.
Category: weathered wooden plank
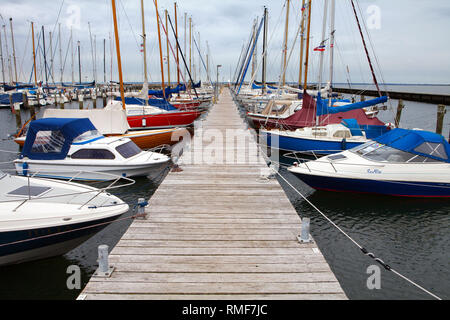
column 123, row 249
column 162, row 296
column 209, row 243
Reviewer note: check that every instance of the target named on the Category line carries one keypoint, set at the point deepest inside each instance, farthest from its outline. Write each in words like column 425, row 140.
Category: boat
column 402, row 162
column 113, row 122
column 56, row 147
column 42, row 218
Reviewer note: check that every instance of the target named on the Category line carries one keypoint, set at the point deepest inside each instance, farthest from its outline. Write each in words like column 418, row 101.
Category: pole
column 7, row 55
column 305, row 82
column 302, row 43
column 185, row 37
column 104, row 60
column 264, row 65
column 286, row 28
column 1, row 58
column 79, row 61
column 45, row 57
column 178, row 49
column 71, row 49
column 144, row 48
column 119, row 62
column 190, row 46
column 332, row 31
column 322, row 43
column 160, row 50
column 60, row 53
column 168, row 56
column 13, row 48
column 34, row 55
column 51, row 57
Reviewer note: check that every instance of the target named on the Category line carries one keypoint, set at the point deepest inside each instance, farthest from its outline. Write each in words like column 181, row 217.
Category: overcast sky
column 409, row 37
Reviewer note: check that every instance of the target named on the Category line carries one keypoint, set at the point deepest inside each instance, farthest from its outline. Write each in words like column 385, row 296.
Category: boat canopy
column 16, row 97
column 159, row 103
column 423, row 143
column 51, row 138
column 322, row 105
column 168, row 91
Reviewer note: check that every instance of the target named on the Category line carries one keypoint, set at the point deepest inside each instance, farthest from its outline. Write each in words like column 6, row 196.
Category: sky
column 406, row 39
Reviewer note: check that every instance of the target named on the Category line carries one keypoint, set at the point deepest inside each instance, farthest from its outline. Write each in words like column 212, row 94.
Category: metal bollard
column 104, row 269
column 141, row 209
column 304, row 236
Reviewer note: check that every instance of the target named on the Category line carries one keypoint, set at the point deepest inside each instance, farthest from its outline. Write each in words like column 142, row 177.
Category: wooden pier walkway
column 217, row 230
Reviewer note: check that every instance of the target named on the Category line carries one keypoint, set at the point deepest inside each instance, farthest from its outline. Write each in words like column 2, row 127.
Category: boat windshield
column 88, row 135
column 382, row 153
column 128, row 149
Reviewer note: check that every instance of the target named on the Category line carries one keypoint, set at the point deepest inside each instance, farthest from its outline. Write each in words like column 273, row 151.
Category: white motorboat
column 56, row 147
column 41, row 218
column 411, row 163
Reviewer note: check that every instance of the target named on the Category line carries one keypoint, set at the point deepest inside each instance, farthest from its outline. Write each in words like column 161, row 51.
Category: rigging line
column 23, row 56
column 203, row 62
column 129, row 23
column 371, row 255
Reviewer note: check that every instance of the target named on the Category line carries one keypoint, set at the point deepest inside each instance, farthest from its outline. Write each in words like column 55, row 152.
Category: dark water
column 411, row 235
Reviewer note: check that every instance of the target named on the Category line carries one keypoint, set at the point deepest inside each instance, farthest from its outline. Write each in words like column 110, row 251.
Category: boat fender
column 144, row 122
column 25, row 168
column 344, row 144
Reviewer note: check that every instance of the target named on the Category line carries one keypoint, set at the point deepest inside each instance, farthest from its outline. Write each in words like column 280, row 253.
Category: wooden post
column 440, row 118
column 400, row 107
column 25, row 99
column 16, row 110
column 363, row 98
column 80, row 100
column 94, row 98
column 104, row 97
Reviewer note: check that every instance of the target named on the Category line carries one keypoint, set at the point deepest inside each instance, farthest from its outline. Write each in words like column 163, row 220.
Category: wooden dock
column 217, row 230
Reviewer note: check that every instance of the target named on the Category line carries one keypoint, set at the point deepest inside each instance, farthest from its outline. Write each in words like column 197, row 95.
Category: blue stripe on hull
column 48, row 236
column 393, row 188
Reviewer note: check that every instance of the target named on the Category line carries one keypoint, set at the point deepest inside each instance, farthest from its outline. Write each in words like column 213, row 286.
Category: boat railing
column 38, row 176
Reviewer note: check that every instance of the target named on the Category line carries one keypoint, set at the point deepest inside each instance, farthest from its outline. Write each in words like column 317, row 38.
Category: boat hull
column 41, row 243
column 163, row 120
column 385, row 187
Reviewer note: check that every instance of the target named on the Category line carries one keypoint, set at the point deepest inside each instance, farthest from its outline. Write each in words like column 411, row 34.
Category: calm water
column 411, row 235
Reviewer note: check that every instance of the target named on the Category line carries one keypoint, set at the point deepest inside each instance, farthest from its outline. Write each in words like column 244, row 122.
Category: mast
column 365, row 48
column 1, row 58
column 254, row 52
column 322, row 43
column 45, row 56
column 160, row 50
column 264, row 64
column 79, row 60
column 7, row 55
column 190, row 46
column 34, row 54
column 178, row 49
column 185, row 37
column 60, row 53
column 144, row 48
column 51, row 57
column 286, row 28
column 332, row 31
column 119, row 62
column 92, row 51
column 104, row 60
column 302, row 43
column 168, row 55
column 13, row 48
column 305, row 82
column 71, row 49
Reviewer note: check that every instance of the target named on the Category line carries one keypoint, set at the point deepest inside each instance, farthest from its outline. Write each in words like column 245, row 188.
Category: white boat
column 41, row 218
column 411, row 163
column 56, row 147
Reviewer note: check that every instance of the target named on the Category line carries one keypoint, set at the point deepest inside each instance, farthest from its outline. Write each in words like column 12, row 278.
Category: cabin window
column 99, row 154
column 48, row 142
column 128, row 150
column 432, row 149
column 342, row 134
column 88, row 135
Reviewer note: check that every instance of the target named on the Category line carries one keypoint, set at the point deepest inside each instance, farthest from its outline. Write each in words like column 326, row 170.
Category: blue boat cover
column 159, row 103
column 168, row 91
column 423, row 143
column 16, row 97
column 322, row 106
column 51, row 138
column 353, row 125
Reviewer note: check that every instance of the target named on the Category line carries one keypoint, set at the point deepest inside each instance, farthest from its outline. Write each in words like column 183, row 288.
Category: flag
column 320, row 48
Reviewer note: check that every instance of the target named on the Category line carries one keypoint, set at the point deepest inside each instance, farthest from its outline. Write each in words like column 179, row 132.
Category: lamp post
column 217, row 82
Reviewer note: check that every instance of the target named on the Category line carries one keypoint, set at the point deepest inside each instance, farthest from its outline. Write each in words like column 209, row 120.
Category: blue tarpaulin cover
column 424, row 143
column 55, row 136
column 159, row 103
column 322, row 106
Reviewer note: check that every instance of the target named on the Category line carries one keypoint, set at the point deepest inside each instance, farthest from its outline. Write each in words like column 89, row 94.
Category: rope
column 364, row 250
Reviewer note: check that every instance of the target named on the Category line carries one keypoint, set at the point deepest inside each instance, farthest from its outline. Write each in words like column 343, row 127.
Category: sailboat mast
column 178, row 49
column 71, row 49
column 264, row 64
column 45, row 56
column 119, row 62
column 322, row 43
column 34, row 55
column 7, row 55
column 305, row 82
column 332, row 32
column 79, row 61
column 286, row 29
column 185, row 39
column 365, row 48
column 190, row 46
column 13, row 48
column 167, row 45
column 104, row 60
column 144, row 48
column 160, row 50
column 51, row 57
column 1, row 58
column 60, row 53
column 302, row 43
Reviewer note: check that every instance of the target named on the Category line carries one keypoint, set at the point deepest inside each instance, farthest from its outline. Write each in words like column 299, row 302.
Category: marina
column 306, row 173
